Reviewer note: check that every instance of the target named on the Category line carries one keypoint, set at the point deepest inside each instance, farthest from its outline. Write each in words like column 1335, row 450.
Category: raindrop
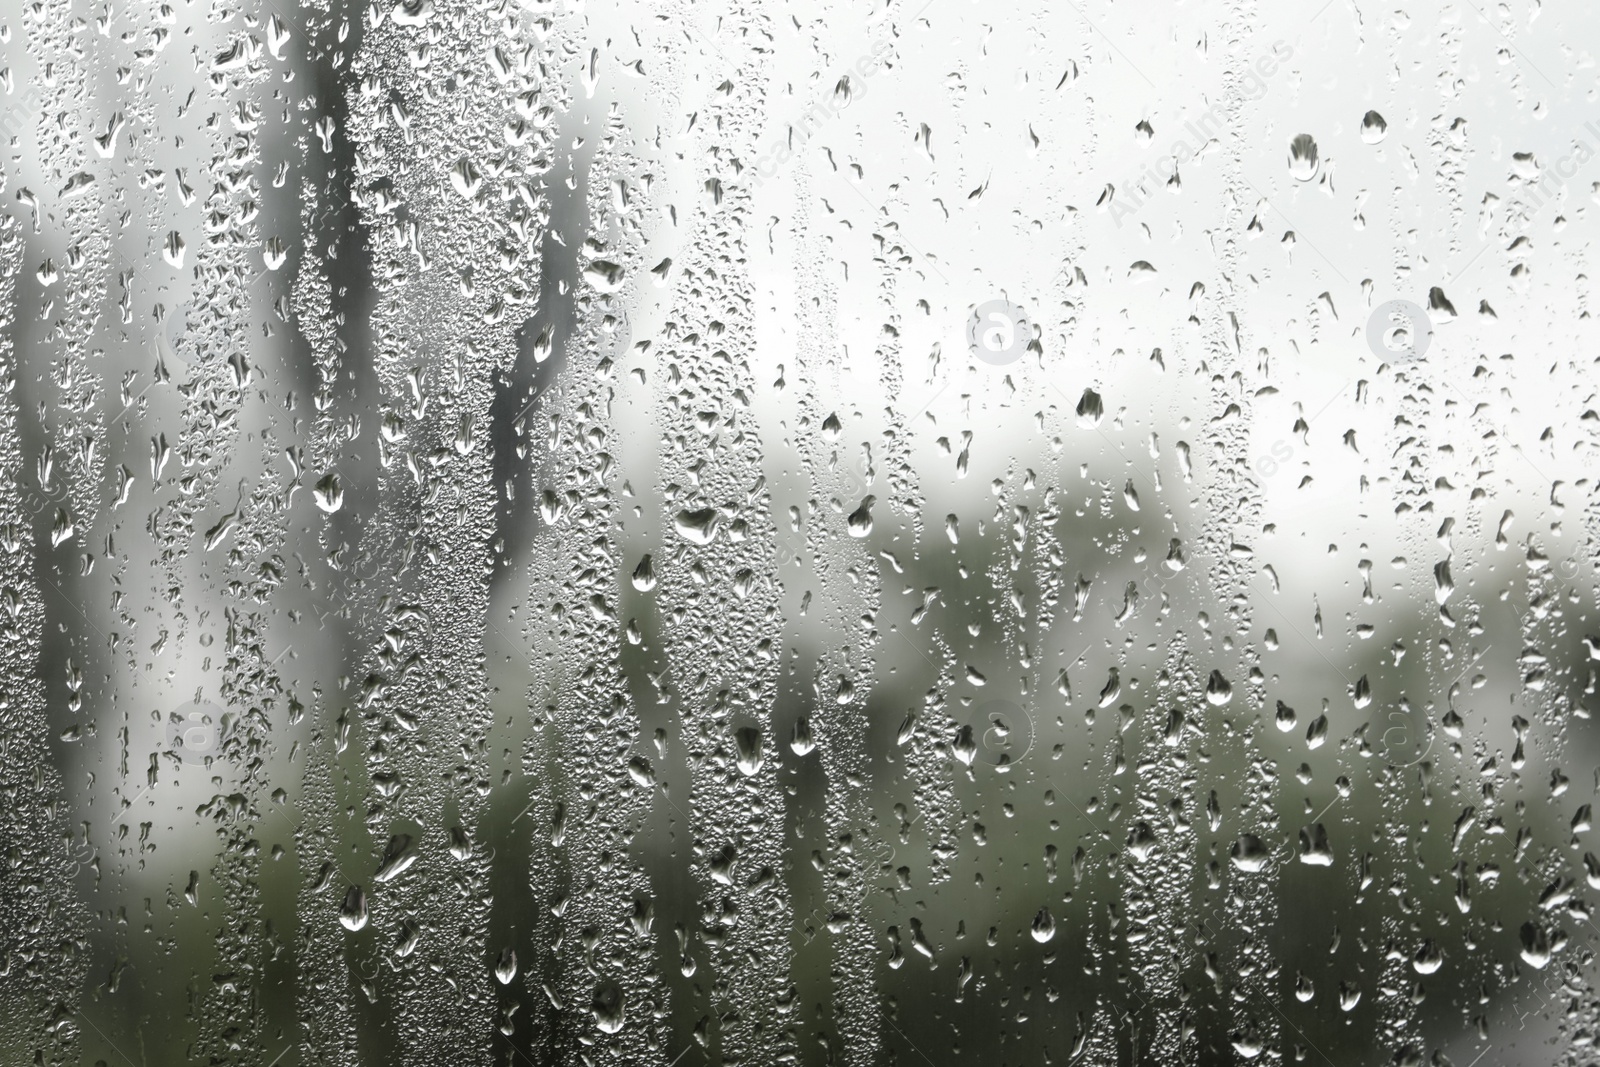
column 604, row 275
column 397, row 858
column 1044, row 926
column 698, row 526
column 328, row 493
column 1249, row 854
column 1314, row 848
column 608, row 1007
column 1303, row 162
column 1090, row 410
column 643, row 775
column 750, row 757
column 353, row 913
column 1373, row 128
column 466, row 178
column 1428, row 958
column 860, row 520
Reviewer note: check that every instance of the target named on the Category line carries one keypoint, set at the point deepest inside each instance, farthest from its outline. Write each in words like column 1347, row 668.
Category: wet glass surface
column 831, row 533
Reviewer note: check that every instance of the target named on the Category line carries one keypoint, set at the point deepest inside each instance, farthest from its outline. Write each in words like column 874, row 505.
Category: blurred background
column 668, row 533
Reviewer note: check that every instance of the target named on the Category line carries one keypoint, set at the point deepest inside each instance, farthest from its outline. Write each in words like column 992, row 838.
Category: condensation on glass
column 872, row 532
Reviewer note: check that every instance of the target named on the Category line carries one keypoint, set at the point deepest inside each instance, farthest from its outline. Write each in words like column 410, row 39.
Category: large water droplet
column 860, row 520
column 1090, row 409
column 699, row 526
column 1303, row 161
column 1044, row 926
column 1218, row 691
column 1373, row 128
column 353, row 913
column 608, row 1007
column 328, row 493
column 1249, row 853
column 750, row 757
